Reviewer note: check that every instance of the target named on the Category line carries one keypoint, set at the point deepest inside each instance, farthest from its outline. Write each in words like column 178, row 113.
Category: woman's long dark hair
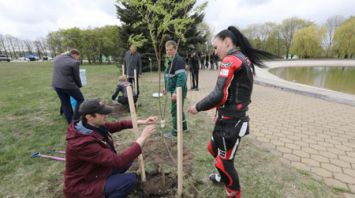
column 238, row 39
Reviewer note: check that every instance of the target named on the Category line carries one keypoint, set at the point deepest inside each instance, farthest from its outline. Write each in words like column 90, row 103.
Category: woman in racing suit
column 231, row 97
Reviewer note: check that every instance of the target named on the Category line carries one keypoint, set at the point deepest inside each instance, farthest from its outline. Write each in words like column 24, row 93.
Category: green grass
column 30, row 122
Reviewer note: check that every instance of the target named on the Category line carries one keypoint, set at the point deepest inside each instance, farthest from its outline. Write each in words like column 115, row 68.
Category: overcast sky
column 32, row 19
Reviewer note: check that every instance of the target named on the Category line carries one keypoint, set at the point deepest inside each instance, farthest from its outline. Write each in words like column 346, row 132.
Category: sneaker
column 169, row 135
column 215, row 178
column 232, row 193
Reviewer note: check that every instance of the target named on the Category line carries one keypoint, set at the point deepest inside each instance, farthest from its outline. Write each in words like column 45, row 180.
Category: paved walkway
column 311, row 134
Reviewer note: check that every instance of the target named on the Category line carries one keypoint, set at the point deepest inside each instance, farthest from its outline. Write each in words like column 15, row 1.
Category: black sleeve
column 213, row 98
column 76, row 74
column 114, row 95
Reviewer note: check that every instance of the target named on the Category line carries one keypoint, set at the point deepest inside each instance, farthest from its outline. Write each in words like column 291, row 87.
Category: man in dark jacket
column 132, row 61
column 193, row 60
column 92, row 166
column 66, row 82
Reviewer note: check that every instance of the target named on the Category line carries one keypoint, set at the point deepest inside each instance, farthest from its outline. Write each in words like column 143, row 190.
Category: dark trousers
column 124, row 100
column 223, row 146
column 194, row 74
column 131, row 80
column 120, row 184
column 64, row 96
column 174, row 115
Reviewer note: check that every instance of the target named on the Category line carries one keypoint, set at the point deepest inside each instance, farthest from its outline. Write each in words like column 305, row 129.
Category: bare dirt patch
column 160, row 159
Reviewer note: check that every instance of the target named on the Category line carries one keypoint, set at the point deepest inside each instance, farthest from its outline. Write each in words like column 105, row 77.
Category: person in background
column 122, row 87
column 214, row 61
column 93, row 168
column 66, row 82
column 174, row 76
column 193, row 62
column 132, row 61
column 231, row 98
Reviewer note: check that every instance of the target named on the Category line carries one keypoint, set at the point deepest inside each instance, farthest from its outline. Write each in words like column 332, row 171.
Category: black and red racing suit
column 231, row 96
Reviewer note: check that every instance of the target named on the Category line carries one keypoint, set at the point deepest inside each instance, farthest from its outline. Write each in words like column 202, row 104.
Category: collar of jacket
column 82, row 129
column 232, row 51
column 102, row 129
column 173, row 59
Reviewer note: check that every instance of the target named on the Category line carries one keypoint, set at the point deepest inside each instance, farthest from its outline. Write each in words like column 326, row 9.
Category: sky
column 33, row 19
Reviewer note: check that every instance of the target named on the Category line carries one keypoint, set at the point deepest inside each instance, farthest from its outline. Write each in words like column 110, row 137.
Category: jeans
column 64, row 96
column 124, row 100
column 120, row 184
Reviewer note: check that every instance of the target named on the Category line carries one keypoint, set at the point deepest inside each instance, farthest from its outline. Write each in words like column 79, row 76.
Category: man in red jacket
column 92, row 166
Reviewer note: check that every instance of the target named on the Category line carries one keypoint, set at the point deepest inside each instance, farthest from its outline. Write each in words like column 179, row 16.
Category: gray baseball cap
column 94, row 106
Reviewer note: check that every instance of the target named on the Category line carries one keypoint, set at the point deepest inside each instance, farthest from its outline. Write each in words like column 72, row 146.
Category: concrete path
column 308, row 133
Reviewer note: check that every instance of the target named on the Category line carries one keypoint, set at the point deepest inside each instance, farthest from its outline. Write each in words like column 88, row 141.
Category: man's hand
column 173, row 97
column 192, row 109
column 149, row 120
column 164, row 92
column 147, row 131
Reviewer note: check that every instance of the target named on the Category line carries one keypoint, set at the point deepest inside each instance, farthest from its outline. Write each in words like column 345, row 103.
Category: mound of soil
column 157, row 185
column 160, row 159
column 119, row 110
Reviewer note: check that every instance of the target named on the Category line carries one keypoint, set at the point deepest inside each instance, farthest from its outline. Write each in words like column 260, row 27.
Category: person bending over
column 93, row 168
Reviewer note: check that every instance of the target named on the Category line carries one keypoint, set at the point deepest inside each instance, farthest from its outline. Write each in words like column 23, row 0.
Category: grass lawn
column 30, row 122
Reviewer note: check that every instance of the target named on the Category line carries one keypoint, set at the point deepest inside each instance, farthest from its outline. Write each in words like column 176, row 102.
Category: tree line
column 15, row 48
column 95, row 45
column 295, row 36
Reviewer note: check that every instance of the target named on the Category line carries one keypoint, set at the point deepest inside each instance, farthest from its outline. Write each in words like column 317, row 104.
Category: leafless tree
column 29, row 46
column 331, row 24
column 11, row 43
column 44, row 46
column 21, row 45
column 2, row 45
column 38, row 47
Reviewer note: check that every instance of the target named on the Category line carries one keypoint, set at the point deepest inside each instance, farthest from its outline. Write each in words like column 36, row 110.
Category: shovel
column 35, row 155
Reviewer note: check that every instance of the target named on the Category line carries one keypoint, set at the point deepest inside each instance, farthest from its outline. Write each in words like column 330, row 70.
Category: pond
column 334, row 78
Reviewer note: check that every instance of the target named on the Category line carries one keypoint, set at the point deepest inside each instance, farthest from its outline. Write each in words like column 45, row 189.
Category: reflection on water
column 335, row 78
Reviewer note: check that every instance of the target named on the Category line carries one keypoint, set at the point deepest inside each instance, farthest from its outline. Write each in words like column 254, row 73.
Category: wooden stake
column 135, row 128
column 179, row 139
column 135, row 81
column 123, row 74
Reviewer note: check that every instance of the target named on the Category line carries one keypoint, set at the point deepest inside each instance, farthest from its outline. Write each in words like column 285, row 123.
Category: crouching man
column 122, row 87
column 93, row 168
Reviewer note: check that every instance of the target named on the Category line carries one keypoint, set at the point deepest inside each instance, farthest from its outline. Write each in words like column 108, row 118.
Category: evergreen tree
column 129, row 16
column 169, row 12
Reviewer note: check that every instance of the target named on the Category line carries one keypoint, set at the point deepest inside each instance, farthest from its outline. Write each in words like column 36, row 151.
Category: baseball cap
column 94, row 106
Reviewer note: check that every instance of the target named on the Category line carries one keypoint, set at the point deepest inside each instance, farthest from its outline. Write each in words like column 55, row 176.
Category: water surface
column 334, row 78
